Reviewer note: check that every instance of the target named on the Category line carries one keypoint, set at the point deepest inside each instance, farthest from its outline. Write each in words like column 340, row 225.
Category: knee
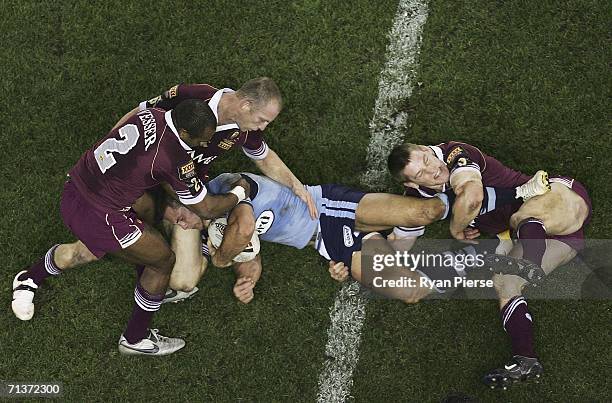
column 516, row 219
column 508, row 286
column 183, row 285
column 72, row 255
column 432, row 211
column 83, row 255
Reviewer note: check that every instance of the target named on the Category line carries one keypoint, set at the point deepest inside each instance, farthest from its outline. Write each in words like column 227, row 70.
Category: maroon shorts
column 101, row 231
column 499, row 220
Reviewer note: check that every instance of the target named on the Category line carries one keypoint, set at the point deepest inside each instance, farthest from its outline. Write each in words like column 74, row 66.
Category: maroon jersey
column 225, row 137
column 460, row 157
column 139, row 155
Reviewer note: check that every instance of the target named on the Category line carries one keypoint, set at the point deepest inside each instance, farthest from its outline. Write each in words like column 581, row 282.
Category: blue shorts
column 336, row 236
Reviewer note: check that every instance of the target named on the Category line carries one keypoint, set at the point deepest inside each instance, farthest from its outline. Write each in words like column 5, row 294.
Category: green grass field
column 528, row 82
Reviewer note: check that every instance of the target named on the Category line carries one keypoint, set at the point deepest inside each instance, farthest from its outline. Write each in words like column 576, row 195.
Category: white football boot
column 536, row 186
column 175, row 296
column 23, row 295
column 153, row 344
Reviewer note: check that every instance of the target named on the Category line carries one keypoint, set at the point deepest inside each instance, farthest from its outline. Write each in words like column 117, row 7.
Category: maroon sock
column 145, row 305
column 42, row 269
column 532, row 235
column 519, row 326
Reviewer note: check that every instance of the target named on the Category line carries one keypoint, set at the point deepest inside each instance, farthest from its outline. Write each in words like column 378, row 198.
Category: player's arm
column 274, row 168
column 247, row 275
column 468, row 188
column 207, row 205
column 397, row 240
column 236, row 236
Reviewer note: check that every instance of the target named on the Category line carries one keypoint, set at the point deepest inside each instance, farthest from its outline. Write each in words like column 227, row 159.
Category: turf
column 527, row 82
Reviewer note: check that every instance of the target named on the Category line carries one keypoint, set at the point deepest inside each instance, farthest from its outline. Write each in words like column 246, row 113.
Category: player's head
column 195, row 121
column 259, row 103
column 417, row 164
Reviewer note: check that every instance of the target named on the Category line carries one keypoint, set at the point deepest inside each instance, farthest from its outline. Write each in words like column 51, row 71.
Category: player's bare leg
column 190, row 264
column 517, row 320
column 562, row 211
column 509, row 286
column 56, row 260
column 380, row 211
column 152, row 251
column 144, row 207
column 558, row 212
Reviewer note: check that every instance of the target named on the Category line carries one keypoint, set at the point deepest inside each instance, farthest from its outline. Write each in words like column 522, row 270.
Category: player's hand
column 244, row 184
column 338, row 271
column 187, row 219
column 243, row 289
column 215, row 258
column 301, row 192
column 471, row 233
column 460, row 236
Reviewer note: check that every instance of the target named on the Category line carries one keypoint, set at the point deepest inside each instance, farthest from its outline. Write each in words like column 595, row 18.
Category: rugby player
column 148, row 149
column 347, row 217
column 242, row 116
column 549, row 229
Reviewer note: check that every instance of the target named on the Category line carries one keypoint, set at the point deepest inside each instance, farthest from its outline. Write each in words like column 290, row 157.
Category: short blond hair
column 260, row 91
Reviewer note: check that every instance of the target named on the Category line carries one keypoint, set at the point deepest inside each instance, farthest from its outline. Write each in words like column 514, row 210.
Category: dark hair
column 260, row 91
column 398, row 159
column 194, row 116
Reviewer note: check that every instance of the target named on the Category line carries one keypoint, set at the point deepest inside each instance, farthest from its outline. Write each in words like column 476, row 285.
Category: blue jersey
column 280, row 216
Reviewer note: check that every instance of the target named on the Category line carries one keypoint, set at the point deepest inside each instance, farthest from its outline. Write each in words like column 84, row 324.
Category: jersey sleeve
column 254, row 146
column 406, row 232
column 173, row 96
column 189, row 188
column 463, row 157
column 183, row 179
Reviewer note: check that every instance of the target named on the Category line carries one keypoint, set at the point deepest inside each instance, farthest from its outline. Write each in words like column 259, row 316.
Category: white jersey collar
column 438, row 152
column 214, row 106
column 170, row 123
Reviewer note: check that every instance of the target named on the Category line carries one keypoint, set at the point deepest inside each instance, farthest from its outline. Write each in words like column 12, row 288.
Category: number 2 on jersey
column 104, row 153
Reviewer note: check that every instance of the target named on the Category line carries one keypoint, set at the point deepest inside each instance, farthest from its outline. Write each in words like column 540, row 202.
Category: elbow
column 471, row 198
column 474, row 201
column 434, row 212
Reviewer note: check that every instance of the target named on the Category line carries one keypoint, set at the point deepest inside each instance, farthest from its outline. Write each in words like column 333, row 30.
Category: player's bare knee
column 436, row 211
column 507, row 285
column 431, row 211
column 71, row 255
column 83, row 256
column 183, row 285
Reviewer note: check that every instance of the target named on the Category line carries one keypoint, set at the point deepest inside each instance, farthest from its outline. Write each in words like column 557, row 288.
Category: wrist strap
column 239, row 192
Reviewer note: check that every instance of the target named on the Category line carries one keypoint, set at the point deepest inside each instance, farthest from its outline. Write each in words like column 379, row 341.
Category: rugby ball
column 216, row 228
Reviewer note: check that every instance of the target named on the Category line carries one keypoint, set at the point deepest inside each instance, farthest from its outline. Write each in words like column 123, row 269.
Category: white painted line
column 395, row 86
